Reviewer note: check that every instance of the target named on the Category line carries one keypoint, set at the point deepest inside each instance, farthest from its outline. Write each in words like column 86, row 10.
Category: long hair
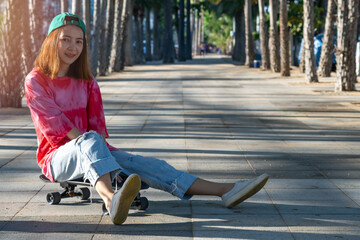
column 48, row 59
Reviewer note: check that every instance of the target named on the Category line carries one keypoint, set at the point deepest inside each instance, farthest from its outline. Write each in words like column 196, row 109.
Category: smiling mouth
column 70, row 55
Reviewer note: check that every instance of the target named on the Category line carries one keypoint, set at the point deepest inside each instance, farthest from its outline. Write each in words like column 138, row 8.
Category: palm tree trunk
column 327, row 48
column 103, row 39
column 148, row 34
column 129, row 54
column 123, row 33
column 26, row 40
column 76, row 7
column 37, row 23
column 168, row 43
column 115, row 48
column 96, row 37
column 310, row 67
column 188, row 31
column 109, row 32
column 64, row 5
column 263, row 37
column 239, row 48
column 11, row 77
column 284, row 39
column 274, row 37
column 198, row 32
column 346, row 37
column 250, row 51
column 156, row 54
column 181, row 52
column 86, row 19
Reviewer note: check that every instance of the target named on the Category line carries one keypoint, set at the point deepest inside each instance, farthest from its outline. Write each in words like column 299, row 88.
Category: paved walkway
column 218, row 121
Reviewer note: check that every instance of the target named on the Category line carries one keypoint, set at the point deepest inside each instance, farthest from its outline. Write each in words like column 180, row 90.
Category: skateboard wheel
column 144, row 203
column 53, row 198
column 84, row 193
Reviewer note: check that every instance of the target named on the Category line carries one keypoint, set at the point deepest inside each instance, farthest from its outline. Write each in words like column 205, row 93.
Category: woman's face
column 70, row 45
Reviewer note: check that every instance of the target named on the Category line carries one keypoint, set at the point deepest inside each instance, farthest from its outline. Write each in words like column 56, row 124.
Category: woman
column 67, row 110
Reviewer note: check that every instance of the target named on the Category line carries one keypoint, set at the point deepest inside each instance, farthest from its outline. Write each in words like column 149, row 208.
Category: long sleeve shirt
column 57, row 106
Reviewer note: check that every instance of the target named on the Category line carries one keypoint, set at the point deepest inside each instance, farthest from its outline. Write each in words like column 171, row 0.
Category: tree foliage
column 217, row 29
column 296, row 21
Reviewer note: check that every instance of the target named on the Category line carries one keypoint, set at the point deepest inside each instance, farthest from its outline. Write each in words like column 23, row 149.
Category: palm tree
column 274, row 37
column 168, row 43
column 327, row 48
column 148, row 56
column 239, row 48
column 108, row 37
column 64, row 5
column 250, row 51
column 125, row 16
column 346, row 37
column 120, row 16
column 96, row 37
column 86, row 18
column 284, row 39
column 182, row 53
column 11, row 77
column 76, row 7
column 129, row 54
column 263, row 37
column 310, row 67
column 188, row 31
column 103, row 39
column 36, row 14
column 156, row 53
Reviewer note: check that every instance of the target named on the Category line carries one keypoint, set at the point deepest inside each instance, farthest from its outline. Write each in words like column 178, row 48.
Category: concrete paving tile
column 260, row 233
column 354, row 194
column 345, row 174
column 324, row 226
column 147, row 222
column 16, row 197
column 53, row 224
column 15, row 176
column 347, row 183
column 4, row 220
column 316, row 207
column 45, row 236
column 146, row 235
column 10, row 209
column 299, row 184
column 308, row 195
column 308, row 235
column 65, row 208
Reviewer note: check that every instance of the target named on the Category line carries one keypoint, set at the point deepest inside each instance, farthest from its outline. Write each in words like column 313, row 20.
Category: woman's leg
column 89, row 157
column 104, row 188
column 160, row 175
column 203, row 187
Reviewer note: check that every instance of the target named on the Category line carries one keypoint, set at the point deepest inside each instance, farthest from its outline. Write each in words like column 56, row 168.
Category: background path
column 218, row 121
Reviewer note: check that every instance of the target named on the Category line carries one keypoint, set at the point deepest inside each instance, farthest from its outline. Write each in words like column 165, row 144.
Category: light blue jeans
column 88, row 156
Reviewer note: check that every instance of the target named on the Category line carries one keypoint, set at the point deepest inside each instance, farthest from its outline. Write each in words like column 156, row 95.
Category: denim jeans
column 89, row 157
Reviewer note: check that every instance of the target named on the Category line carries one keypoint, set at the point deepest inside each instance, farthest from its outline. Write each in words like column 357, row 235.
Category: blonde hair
column 48, row 60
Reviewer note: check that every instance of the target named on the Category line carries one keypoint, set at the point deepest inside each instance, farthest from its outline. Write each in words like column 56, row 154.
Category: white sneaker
column 243, row 190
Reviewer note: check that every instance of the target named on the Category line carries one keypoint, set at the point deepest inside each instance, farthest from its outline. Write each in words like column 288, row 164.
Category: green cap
column 66, row 19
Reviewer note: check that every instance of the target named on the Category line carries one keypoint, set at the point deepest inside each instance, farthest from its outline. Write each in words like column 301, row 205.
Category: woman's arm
column 74, row 133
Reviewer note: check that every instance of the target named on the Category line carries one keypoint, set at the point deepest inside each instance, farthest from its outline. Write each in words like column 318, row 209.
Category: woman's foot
column 122, row 199
column 243, row 190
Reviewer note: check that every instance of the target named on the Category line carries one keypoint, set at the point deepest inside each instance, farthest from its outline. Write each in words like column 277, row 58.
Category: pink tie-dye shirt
column 57, row 106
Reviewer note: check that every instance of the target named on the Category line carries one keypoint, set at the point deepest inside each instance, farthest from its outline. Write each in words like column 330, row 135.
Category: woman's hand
column 74, row 133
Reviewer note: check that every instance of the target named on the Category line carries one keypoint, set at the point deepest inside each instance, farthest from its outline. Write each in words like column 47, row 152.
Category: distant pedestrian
column 202, row 49
column 67, row 111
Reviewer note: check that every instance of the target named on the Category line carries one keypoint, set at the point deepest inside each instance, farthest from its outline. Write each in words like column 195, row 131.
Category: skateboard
column 140, row 203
